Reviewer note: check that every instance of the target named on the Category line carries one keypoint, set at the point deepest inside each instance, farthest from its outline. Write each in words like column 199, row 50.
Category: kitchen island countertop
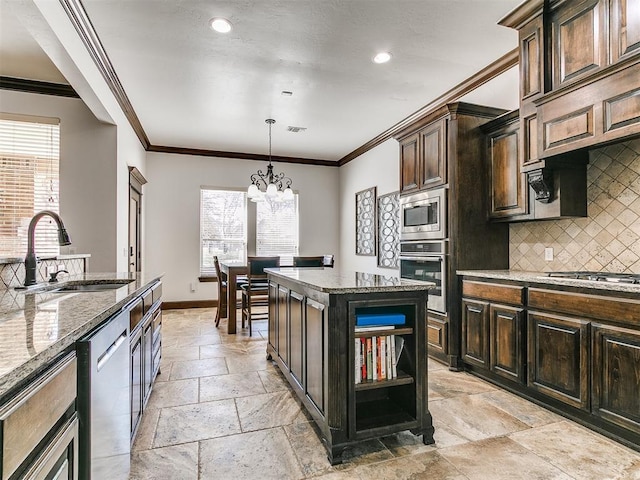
column 36, row 325
column 337, row 281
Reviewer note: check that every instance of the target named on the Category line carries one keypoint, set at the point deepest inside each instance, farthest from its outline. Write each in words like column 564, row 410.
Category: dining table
column 232, row 270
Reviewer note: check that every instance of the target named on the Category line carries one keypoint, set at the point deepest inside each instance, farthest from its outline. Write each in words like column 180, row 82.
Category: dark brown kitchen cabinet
column 437, row 335
column 508, row 184
column 579, row 81
column 558, row 353
column 321, row 360
column 576, row 350
column 423, row 158
column 475, row 332
column 616, row 376
column 493, row 329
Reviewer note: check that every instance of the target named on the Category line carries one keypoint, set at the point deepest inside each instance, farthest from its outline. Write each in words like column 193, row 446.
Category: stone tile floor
column 220, row 410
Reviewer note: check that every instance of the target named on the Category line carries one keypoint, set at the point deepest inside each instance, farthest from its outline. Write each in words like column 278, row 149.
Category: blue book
column 374, row 319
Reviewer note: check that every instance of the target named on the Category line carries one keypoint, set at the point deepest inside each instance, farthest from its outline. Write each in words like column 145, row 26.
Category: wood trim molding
column 189, row 304
column 35, row 86
column 81, row 22
column 137, row 176
column 491, row 71
column 244, row 156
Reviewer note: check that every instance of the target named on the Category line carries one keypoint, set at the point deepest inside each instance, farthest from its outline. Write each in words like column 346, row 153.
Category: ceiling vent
column 296, row 129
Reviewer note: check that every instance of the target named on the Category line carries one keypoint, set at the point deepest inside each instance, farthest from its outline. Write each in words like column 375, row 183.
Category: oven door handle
column 431, row 258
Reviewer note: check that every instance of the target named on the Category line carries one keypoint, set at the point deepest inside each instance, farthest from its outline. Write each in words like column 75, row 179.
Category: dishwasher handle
column 104, row 358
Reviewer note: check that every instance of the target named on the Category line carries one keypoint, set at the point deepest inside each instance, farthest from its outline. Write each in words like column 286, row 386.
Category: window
column 277, row 229
column 29, row 182
column 223, row 227
column 224, row 219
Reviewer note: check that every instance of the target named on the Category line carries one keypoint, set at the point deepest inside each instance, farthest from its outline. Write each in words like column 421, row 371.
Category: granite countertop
column 337, row 281
column 541, row 279
column 37, row 325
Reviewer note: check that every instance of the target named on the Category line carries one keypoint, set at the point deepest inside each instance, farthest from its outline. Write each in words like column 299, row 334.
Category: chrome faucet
column 31, row 260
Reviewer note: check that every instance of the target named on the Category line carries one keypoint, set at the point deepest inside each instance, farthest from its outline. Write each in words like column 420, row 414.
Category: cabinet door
column 475, row 332
column 558, row 358
column 409, row 164
column 273, row 316
column 507, row 349
column 296, row 335
column 616, row 376
column 59, row 461
column 625, row 28
column 147, row 358
column 579, row 40
column 283, row 327
column 508, row 184
column 437, row 335
column 315, row 346
column 531, row 58
column 433, row 153
column 136, row 379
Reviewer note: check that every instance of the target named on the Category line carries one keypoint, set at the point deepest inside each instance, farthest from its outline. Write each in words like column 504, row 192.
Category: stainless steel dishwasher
column 103, row 401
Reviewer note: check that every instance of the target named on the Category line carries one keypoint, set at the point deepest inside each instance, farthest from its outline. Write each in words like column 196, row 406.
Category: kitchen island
column 319, row 318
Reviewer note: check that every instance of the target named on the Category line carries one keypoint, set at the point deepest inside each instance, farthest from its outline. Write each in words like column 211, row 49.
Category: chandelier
column 269, row 186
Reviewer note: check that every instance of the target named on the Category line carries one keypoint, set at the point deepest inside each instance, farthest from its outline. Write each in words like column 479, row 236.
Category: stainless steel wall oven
column 427, row 261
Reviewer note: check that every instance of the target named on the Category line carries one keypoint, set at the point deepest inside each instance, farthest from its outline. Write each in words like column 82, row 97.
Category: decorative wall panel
column 366, row 222
column 388, row 230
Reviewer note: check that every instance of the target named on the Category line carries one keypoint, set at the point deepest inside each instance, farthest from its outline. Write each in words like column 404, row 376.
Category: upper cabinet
column 579, row 75
column 423, row 158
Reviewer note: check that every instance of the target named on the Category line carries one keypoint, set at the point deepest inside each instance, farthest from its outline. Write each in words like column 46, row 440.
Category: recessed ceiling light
column 220, row 25
column 382, row 57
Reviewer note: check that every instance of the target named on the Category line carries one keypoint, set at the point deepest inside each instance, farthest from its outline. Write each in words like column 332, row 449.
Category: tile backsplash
column 608, row 239
column 12, row 273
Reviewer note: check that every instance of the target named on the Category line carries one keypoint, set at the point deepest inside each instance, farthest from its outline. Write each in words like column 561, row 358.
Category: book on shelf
column 376, row 358
column 377, row 327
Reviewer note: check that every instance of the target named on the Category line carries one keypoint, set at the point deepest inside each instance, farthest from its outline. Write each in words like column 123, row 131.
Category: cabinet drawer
column 27, row 418
column 493, row 292
column 60, row 459
column 156, row 292
column 135, row 315
column 147, row 301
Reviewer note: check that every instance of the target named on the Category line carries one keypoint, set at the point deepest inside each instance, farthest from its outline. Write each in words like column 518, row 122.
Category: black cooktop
column 598, row 276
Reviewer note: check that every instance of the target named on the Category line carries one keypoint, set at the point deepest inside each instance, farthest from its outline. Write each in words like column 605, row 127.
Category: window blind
column 29, row 183
column 223, row 227
column 277, row 229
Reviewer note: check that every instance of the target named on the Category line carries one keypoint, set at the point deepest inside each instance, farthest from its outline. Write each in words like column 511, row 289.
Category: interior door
column 136, row 181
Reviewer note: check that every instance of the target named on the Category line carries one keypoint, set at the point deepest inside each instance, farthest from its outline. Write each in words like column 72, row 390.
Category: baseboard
column 189, row 304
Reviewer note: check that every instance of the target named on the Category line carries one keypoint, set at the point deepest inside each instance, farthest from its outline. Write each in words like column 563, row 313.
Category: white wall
column 378, row 168
column 87, row 172
column 172, row 208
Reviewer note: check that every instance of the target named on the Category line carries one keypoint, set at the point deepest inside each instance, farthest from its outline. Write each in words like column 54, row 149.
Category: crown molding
column 36, row 86
column 491, row 71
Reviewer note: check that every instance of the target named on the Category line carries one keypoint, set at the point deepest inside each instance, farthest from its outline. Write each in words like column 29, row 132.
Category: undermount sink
column 89, row 287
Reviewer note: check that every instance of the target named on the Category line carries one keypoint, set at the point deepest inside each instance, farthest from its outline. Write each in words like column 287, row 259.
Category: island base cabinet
column 616, row 376
column 318, row 334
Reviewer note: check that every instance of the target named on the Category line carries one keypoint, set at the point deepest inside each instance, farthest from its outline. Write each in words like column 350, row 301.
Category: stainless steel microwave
column 423, row 215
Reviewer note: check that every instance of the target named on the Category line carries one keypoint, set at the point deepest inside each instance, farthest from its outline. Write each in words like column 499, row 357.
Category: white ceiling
column 192, row 87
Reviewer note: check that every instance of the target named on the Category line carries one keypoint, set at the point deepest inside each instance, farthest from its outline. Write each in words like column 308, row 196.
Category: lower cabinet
column 493, row 333
column 616, row 376
column 312, row 338
column 575, row 350
column 39, row 426
column 559, row 358
column 145, row 343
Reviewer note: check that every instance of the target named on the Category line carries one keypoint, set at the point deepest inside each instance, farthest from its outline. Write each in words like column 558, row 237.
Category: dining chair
column 255, row 292
column 308, row 261
column 221, row 311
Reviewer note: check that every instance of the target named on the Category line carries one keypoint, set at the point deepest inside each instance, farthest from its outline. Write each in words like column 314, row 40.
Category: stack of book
column 376, row 357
